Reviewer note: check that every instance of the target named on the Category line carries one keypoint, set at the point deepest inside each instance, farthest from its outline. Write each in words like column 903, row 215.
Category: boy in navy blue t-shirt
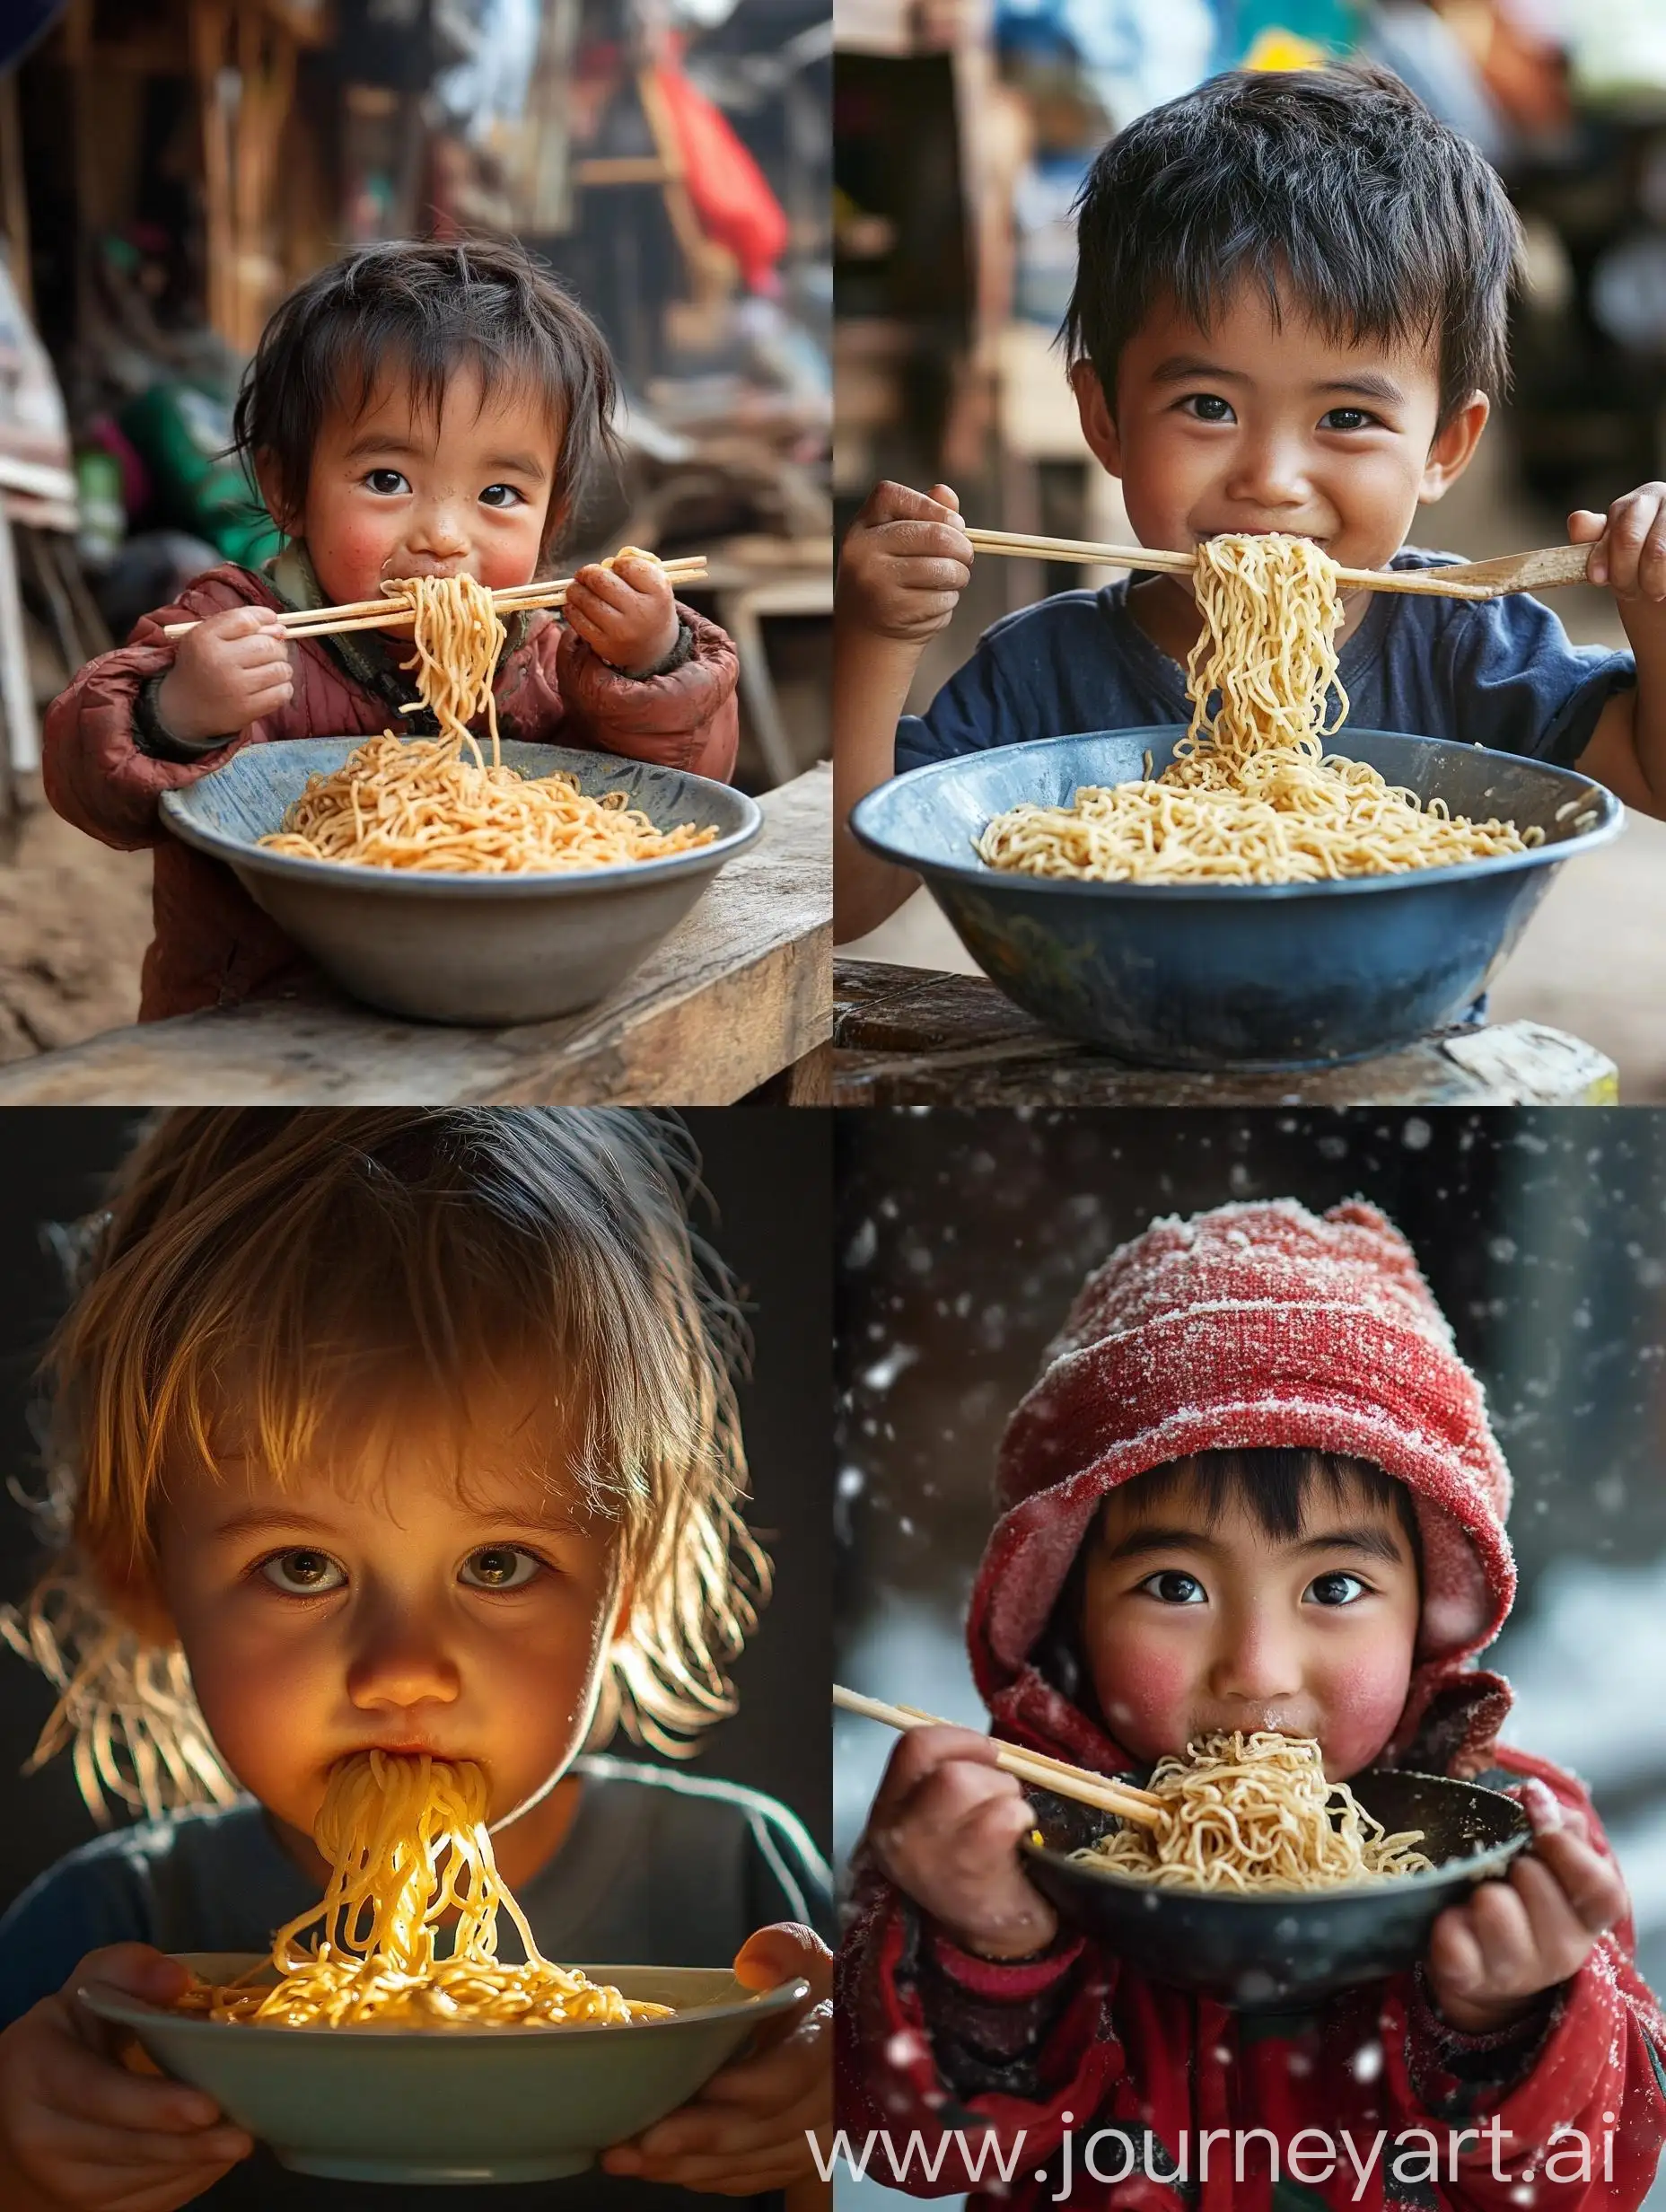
column 1289, row 314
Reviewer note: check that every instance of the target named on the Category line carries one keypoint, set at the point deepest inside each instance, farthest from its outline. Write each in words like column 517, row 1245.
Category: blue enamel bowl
column 485, row 950
column 1228, row 975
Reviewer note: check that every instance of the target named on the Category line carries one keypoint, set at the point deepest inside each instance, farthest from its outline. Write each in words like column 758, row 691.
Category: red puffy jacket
column 213, row 946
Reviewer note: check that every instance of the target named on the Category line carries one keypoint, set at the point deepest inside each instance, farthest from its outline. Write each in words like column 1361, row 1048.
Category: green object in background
column 182, row 435
column 104, row 517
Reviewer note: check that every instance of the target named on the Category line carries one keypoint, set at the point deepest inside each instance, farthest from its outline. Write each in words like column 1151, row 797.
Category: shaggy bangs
column 285, row 1285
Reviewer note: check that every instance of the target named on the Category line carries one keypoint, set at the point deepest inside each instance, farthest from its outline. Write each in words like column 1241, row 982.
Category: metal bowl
column 472, row 948
column 1229, row 975
column 1256, row 1951
column 453, row 2103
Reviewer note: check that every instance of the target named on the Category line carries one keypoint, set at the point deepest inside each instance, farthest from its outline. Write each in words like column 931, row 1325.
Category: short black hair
column 426, row 309
column 1275, row 1486
column 1335, row 190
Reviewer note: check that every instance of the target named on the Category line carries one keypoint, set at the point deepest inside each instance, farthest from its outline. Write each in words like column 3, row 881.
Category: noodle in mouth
column 386, row 1824
column 1254, row 1812
column 438, row 804
column 1252, row 796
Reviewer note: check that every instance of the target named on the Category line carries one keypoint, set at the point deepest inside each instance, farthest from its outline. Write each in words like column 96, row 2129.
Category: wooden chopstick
column 1022, row 547
column 380, row 614
column 1038, row 1769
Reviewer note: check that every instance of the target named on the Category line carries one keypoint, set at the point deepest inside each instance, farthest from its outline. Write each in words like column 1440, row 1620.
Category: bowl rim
column 1447, row 1870
column 975, row 872
column 111, row 2004
column 402, row 882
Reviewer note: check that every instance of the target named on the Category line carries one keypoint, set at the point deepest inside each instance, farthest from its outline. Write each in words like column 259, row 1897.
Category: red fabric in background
column 731, row 194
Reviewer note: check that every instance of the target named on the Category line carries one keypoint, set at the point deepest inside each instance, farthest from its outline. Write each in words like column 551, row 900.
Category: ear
column 1453, row 448
column 1099, row 426
column 267, row 477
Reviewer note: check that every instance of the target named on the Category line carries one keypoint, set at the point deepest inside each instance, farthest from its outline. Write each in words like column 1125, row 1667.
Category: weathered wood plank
column 917, row 1037
column 742, row 990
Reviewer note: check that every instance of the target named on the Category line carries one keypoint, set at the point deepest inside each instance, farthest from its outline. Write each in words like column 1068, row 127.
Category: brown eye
column 498, row 1567
column 300, row 1574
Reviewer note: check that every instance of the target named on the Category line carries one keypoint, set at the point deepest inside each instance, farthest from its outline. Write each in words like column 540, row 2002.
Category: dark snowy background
column 963, row 1238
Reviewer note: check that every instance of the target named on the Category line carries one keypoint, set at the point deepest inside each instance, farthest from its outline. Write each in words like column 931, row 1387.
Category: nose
column 438, row 541
column 399, row 1661
column 1257, row 1667
column 1269, row 471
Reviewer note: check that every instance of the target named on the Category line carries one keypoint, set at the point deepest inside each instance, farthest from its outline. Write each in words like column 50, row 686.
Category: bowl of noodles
column 436, row 927
column 1241, row 893
column 454, row 2102
column 1273, row 1887
column 1212, row 975
column 360, row 2047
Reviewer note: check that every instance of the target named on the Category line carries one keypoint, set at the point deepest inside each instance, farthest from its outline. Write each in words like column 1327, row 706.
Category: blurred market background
column 962, row 130
column 963, row 1237
column 170, row 169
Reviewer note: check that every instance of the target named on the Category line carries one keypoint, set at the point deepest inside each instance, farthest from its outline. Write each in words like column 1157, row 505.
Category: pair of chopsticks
column 1038, row 1769
column 385, row 614
column 1513, row 572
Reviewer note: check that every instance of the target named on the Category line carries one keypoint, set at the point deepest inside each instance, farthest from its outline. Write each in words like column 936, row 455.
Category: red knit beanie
column 1250, row 1325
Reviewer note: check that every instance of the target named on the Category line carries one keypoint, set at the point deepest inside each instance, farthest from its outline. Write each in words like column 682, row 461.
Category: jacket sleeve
column 1591, row 2070
column 96, row 773
column 919, row 2024
column 561, row 693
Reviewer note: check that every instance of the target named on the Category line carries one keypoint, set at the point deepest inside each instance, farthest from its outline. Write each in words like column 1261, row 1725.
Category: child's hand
column 625, row 614
column 1490, row 1958
column 748, row 2129
column 1628, row 544
column 227, row 673
column 905, row 563
column 945, row 1826
column 76, row 2126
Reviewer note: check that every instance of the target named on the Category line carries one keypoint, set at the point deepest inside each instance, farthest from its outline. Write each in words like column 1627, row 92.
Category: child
column 1289, row 315
column 1253, row 1488
column 431, row 409
column 409, row 1429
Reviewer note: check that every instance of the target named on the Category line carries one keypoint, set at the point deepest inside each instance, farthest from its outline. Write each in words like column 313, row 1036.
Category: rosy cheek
column 1362, row 1699
column 1146, row 1690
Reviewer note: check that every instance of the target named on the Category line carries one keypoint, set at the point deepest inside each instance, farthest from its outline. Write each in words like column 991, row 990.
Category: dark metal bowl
column 1257, row 1951
column 1236, row 975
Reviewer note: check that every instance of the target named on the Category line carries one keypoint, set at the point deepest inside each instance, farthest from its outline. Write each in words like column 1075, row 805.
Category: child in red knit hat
column 1254, row 1488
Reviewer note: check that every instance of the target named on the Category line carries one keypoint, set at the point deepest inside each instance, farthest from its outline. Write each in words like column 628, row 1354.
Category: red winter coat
column 1253, row 1325
column 213, row 946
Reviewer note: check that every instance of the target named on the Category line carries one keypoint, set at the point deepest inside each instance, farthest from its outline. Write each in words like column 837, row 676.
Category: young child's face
column 392, row 1604
column 1190, row 1627
column 1255, row 425
column 400, row 492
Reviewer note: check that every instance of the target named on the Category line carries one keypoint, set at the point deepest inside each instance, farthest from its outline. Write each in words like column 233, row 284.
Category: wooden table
column 736, row 1003
column 919, row 1037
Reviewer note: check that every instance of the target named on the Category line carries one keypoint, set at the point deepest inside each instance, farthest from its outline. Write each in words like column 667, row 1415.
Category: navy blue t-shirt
column 657, row 1868
column 1501, row 673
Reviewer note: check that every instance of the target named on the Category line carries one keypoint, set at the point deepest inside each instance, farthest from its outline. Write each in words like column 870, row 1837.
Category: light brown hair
column 259, row 1272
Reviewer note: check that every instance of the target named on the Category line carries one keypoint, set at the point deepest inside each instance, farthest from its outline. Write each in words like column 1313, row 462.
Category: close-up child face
column 1193, row 1622
column 437, row 1590
column 400, row 490
column 1263, row 424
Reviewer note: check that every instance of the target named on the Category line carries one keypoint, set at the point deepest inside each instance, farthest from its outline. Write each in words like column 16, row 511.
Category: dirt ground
column 1593, row 962
column 74, row 921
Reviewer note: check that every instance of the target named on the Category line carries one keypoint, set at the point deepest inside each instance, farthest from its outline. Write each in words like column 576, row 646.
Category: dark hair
column 1335, row 190
column 1272, row 1482
column 1273, row 1485
column 426, row 309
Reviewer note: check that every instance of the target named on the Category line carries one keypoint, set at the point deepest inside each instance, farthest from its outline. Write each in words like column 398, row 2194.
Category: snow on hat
column 1250, row 1325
